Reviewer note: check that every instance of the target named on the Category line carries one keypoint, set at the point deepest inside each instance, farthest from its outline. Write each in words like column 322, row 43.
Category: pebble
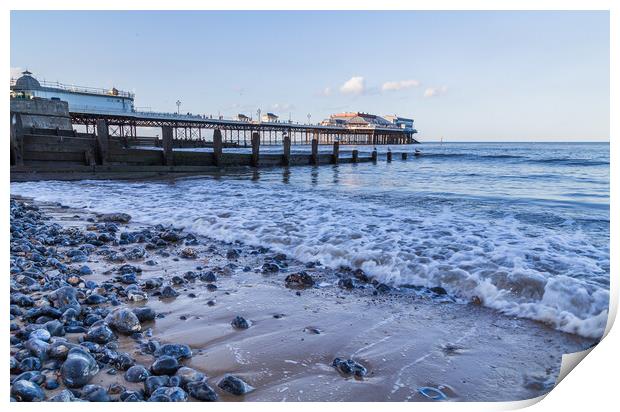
column 234, row 385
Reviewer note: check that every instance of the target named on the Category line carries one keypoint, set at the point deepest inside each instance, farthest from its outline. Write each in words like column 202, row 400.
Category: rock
column 63, row 396
column 208, row 277
column 175, row 350
column 201, row 391
column 65, row 298
column 37, row 348
column 382, row 288
column 240, row 323
column 438, row 290
column 124, row 321
column 165, row 365
column 144, row 314
column 78, row 369
column 189, row 253
column 26, row 391
column 234, row 385
column 95, row 393
column 174, row 393
column 346, row 283
column 270, row 267
column 41, row 334
column 170, row 236
column 95, row 299
column 115, row 217
column 153, row 382
column 188, row 375
column 137, row 373
column 299, row 280
column 168, row 292
column 232, row 254
column 100, row 334
column 349, row 367
column 30, row 364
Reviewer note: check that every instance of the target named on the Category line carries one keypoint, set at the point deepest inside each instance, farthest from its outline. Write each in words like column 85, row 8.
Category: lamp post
column 178, row 107
column 258, row 114
column 309, row 116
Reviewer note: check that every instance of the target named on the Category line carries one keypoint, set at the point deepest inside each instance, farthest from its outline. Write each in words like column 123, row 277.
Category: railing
column 81, row 89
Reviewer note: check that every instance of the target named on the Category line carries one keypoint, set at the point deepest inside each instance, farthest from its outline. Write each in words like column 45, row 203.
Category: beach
column 407, row 341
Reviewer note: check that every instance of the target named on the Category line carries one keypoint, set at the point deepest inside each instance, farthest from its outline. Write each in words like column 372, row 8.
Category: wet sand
column 405, row 340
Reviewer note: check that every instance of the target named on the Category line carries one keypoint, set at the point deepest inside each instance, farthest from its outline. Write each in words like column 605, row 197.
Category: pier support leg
column 17, row 140
column 389, row 155
column 103, row 139
column 404, row 155
column 255, row 148
column 355, row 155
column 374, row 156
column 314, row 157
column 217, row 147
column 335, row 153
column 286, row 156
column 166, row 143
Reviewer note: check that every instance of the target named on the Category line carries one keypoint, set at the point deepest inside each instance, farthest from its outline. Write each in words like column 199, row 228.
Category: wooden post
column 17, row 140
column 355, row 155
column 335, row 153
column 103, row 140
column 314, row 157
column 286, row 157
column 404, row 155
column 217, row 147
column 255, row 148
column 389, row 155
column 166, row 143
column 374, row 155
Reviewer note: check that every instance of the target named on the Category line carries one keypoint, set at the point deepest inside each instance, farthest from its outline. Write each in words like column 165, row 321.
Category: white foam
column 527, row 270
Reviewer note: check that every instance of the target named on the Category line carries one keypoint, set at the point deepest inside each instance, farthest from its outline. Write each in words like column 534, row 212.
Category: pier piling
column 335, row 153
column 314, row 158
column 404, row 155
column 286, row 156
column 389, row 156
column 166, row 143
column 102, row 142
column 373, row 156
column 217, row 147
column 355, row 155
column 255, row 148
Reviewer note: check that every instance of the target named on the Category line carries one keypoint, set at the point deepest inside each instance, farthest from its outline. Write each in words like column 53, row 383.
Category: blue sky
column 461, row 75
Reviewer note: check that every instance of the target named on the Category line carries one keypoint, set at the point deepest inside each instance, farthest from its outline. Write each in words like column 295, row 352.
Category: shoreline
column 406, row 341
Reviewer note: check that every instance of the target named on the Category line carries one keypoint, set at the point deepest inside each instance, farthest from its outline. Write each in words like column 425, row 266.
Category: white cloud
column 355, row 85
column 399, row 85
column 435, row 91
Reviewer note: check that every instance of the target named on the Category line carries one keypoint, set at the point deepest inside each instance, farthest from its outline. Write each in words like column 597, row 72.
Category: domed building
column 79, row 99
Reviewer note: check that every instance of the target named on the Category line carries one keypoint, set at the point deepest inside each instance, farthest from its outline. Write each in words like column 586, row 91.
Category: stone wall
column 42, row 113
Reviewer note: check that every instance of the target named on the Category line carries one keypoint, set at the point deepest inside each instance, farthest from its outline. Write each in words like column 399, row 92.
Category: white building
column 80, row 99
column 269, row 118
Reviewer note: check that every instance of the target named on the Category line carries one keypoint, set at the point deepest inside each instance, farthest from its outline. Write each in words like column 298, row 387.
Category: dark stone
column 100, row 334
column 124, row 321
column 153, row 382
column 178, row 351
column 168, row 292
column 299, row 280
column 240, row 323
column 95, row 393
column 201, row 391
column 137, row 373
column 234, row 385
column 346, row 283
column 63, row 396
column 270, row 267
column 115, row 217
column 174, row 393
column 438, row 290
column 78, row 369
column 144, row 314
column 26, row 391
column 349, row 367
column 188, row 375
column 382, row 288
column 165, row 365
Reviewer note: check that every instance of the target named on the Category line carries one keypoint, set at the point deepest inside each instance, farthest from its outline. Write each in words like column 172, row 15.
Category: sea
column 522, row 228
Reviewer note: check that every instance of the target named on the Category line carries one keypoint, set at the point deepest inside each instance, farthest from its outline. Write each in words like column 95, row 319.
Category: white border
column 593, row 385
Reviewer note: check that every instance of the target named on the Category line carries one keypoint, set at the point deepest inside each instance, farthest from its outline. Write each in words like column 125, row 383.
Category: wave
column 565, row 161
column 544, row 273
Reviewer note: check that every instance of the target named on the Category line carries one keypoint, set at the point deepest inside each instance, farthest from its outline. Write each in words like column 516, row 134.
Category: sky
column 462, row 75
